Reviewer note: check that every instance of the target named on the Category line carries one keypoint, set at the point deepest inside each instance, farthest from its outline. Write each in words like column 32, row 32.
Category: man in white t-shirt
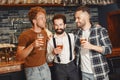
column 92, row 43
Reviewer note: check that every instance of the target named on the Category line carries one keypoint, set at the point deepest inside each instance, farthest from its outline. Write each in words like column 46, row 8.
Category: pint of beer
column 41, row 36
column 82, row 39
column 59, row 44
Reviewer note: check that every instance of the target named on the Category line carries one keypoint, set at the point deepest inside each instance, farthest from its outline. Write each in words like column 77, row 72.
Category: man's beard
column 80, row 25
column 41, row 27
column 59, row 32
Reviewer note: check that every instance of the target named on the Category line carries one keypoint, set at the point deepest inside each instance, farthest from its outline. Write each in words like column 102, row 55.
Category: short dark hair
column 59, row 16
column 83, row 8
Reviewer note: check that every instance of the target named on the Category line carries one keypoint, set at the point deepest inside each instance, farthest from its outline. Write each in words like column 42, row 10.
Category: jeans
column 38, row 73
column 87, row 76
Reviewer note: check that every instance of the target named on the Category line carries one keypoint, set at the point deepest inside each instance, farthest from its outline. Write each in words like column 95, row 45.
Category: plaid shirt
column 98, row 36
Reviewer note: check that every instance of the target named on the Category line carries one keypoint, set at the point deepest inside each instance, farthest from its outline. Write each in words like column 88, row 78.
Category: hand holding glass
column 82, row 38
column 41, row 36
column 59, row 44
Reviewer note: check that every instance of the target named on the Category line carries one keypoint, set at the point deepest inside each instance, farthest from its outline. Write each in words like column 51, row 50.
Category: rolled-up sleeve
column 50, row 56
column 105, row 42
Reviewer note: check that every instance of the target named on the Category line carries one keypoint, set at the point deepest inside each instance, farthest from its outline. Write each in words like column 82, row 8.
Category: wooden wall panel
column 113, row 20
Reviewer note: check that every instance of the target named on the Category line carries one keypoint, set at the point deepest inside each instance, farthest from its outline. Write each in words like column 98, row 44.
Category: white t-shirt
column 85, row 56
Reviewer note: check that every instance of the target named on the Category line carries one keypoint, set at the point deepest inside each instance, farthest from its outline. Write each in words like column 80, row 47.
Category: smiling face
column 82, row 18
column 59, row 26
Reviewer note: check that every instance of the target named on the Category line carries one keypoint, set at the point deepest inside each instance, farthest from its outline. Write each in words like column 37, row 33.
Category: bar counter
column 11, row 66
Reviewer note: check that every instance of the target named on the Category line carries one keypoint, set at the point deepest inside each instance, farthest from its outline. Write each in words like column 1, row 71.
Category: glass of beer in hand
column 59, row 44
column 40, row 36
column 82, row 38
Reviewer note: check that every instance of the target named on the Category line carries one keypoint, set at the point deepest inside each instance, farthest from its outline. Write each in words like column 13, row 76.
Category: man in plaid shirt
column 92, row 50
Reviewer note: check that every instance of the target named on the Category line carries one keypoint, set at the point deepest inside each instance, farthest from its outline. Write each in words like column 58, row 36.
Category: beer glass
column 59, row 44
column 41, row 36
column 82, row 38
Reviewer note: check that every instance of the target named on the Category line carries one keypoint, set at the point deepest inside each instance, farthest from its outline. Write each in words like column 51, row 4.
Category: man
column 32, row 49
column 60, row 49
column 93, row 48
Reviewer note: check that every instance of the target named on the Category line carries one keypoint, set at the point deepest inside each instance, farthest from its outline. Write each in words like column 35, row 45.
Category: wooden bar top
column 11, row 66
column 115, row 53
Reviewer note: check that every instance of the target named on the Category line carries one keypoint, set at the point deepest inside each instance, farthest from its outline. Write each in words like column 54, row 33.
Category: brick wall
column 13, row 20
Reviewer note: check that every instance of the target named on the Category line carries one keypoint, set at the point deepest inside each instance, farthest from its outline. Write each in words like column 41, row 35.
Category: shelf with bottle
column 7, row 53
column 46, row 3
column 30, row 5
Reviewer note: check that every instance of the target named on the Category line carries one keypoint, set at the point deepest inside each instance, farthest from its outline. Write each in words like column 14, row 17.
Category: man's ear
column 34, row 21
column 65, row 25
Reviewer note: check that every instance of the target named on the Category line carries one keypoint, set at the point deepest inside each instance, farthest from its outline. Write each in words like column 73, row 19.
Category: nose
column 76, row 20
column 58, row 27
